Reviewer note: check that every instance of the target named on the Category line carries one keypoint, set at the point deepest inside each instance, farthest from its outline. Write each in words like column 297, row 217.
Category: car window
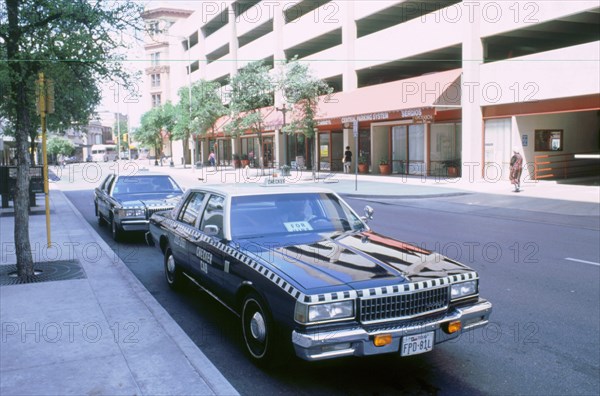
column 213, row 214
column 191, row 210
column 290, row 214
column 105, row 182
column 109, row 184
column 145, row 184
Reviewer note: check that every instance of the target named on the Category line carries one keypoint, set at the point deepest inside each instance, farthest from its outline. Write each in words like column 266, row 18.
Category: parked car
column 71, row 160
column 305, row 273
column 127, row 202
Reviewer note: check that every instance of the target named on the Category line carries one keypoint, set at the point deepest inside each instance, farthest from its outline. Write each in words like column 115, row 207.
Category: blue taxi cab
column 303, row 271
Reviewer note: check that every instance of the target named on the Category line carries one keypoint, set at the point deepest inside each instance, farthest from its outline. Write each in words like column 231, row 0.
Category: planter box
column 385, row 169
column 452, row 171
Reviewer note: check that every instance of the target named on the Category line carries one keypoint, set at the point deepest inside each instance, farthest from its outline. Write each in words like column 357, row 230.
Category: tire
column 116, row 231
column 101, row 220
column 173, row 274
column 259, row 332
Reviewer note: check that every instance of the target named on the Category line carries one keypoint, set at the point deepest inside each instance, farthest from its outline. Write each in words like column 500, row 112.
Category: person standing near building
column 347, row 159
column 516, row 168
column 212, row 159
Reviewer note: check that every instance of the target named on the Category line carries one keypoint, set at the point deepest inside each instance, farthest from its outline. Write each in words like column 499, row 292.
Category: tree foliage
column 149, row 133
column 199, row 114
column 60, row 145
column 302, row 91
column 74, row 42
column 251, row 89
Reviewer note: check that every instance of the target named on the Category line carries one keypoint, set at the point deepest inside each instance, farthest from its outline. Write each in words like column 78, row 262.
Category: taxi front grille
column 152, row 210
column 403, row 306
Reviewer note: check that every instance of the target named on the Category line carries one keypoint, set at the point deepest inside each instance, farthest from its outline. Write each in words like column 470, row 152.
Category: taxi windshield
column 289, row 214
column 144, row 185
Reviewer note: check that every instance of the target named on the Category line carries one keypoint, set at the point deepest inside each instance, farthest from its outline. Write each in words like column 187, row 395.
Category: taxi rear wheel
column 258, row 330
column 172, row 272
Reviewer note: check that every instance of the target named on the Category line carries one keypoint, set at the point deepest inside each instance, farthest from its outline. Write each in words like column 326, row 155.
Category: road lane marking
column 582, row 261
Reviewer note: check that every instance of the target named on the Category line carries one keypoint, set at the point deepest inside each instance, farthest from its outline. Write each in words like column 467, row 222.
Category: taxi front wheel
column 258, row 330
column 172, row 273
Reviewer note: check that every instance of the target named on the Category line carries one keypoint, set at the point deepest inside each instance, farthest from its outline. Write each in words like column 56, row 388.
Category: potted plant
column 363, row 166
column 237, row 162
column 452, row 167
column 384, row 166
column 286, row 170
column 245, row 160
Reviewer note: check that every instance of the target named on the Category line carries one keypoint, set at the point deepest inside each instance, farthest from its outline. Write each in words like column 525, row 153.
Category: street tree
column 182, row 128
column 205, row 109
column 302, row 91
column 75, row 42
column 251, row 90
column 149, row 133
column 168, row 119
column 58, row 145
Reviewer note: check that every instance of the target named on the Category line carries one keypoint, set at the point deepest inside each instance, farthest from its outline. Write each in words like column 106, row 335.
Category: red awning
column 433, row 91
column 439, row 90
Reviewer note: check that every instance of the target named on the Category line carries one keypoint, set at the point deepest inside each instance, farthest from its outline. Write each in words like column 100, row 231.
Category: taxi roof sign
column 274, row 182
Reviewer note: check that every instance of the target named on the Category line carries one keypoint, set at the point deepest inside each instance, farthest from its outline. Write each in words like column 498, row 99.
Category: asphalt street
column 537, row 269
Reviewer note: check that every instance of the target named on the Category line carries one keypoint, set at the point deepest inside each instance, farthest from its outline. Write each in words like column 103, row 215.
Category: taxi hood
column 148, row 200
column 361, row 260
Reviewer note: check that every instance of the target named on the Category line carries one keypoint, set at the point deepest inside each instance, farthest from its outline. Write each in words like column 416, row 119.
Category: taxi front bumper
column 134, row 224
column 359, row 342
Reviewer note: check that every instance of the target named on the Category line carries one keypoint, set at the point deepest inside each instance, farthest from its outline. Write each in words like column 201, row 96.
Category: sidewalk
column 92, row 328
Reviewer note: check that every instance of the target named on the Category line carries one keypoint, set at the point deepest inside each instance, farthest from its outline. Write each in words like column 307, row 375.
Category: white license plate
column 417, row 343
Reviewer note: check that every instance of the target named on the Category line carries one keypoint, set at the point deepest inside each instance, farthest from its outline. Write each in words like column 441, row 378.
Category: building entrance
column 408, row 149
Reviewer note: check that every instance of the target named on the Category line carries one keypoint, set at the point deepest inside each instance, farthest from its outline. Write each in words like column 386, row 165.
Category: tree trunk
column 22, row 123
column 32, row 149
column 313, row 157
column 186, row 149
column 261, row 158
column 21, row 200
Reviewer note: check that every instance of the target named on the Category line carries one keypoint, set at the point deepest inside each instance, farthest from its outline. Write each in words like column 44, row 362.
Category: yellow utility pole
column 45, row 105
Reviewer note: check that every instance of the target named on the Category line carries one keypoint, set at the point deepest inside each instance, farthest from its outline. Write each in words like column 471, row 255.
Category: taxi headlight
column 132, row 212
column 324, row 312
column 463, row 289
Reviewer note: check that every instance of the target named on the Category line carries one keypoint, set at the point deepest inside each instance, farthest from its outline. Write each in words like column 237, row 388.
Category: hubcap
column 258, row 327
column 171, row 265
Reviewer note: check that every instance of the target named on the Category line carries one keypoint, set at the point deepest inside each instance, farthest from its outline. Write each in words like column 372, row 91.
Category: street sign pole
column 42, row 108
column 356, row 154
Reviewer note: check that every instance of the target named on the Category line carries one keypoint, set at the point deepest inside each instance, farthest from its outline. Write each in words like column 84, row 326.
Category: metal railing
column 562, row 166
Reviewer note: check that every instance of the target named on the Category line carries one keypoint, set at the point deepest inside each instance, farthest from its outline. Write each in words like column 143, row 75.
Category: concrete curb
column 203, row 366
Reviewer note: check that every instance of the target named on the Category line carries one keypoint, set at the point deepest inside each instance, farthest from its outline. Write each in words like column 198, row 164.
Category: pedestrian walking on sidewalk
column 516, row 168
column 347, row 159
column 212, row 159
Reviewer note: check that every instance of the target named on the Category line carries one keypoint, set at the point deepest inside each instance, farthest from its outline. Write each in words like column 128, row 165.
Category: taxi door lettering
column 205, row 259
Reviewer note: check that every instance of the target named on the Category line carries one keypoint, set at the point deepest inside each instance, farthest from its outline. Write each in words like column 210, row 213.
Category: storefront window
column 445, row 148
column 249, row 150
column 224, row 152
column 364, row 146
column 324, row 163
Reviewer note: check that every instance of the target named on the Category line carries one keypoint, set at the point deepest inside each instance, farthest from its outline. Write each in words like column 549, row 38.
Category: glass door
column 267, row 151
column 497, row 148
column 416, row 149
column 399, row 145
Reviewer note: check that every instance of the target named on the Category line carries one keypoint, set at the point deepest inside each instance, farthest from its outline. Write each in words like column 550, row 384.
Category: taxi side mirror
column 211, row 230
column 368, row 213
